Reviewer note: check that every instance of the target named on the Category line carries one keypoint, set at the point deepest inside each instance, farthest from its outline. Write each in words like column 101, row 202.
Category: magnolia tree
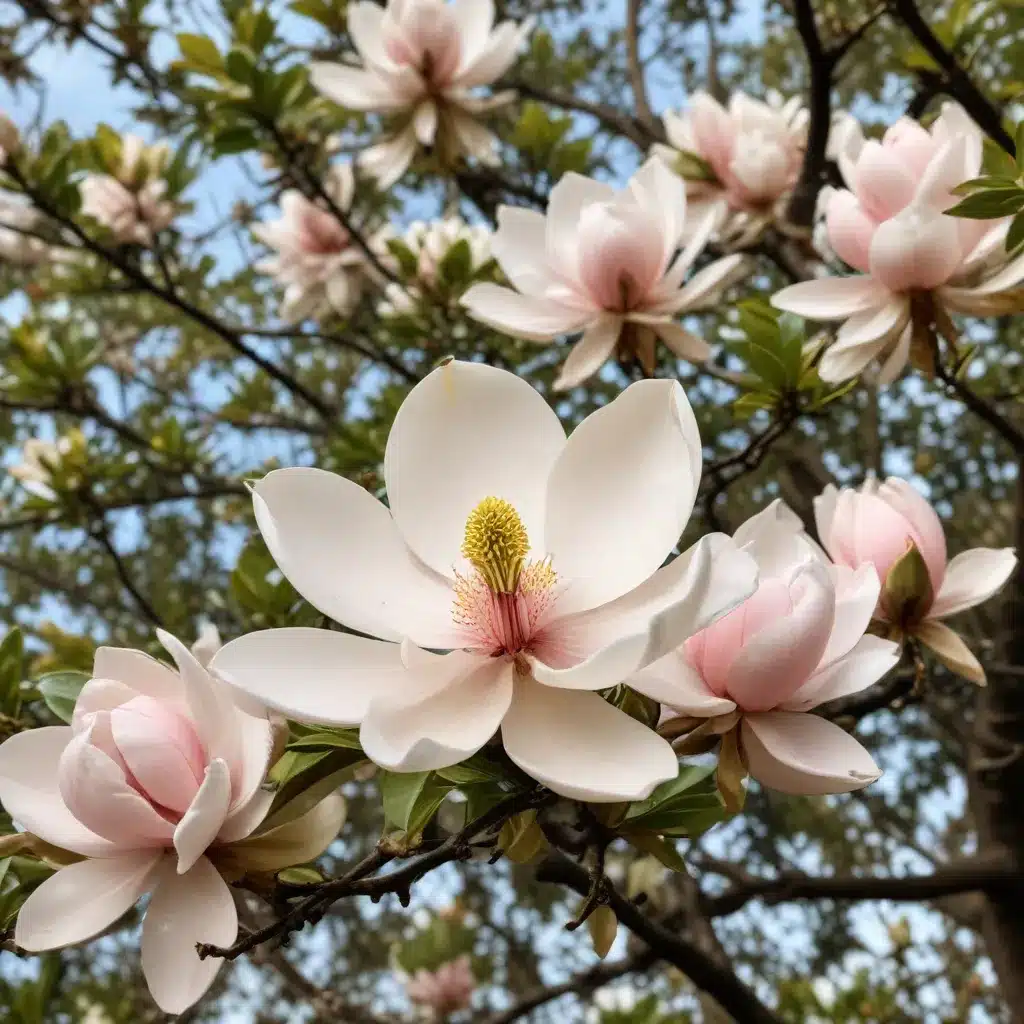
column 510, row 510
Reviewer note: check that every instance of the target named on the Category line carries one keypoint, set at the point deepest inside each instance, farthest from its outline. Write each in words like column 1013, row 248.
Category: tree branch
column 636, row 69
column 958, row 83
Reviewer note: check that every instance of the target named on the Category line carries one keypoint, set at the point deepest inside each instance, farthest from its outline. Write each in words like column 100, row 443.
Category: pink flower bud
column 445, row 990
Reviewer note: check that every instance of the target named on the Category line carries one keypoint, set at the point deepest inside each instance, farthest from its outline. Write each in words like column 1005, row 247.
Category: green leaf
column 996, row 161
column 304, row 777
column 685, row 805
column 5, row 863
column 234, row 139
column 457, row 264
column 12, row 652
column 483, row 797
column 200, row 52
column 328, row 739
column 60, row 691
column 411, row 799
column 602, row 925
column 521, row 838
column 662, row 849
column 241, row 65
column 644, row 709
column 907, row 588
column 478, row 768
column 990, row 204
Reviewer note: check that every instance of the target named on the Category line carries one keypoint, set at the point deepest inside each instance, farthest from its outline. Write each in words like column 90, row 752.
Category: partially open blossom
column 892, row 528
column 917, row 264
column 131, row 203
column 445, row 990
column 41, row 458
column 748, row 157
column 422, row 61
column 316, row 259
column 18, row 244
column 427, row 244
column 157, row 785
column 534, row 560
column 603, row 261
column 797, row 642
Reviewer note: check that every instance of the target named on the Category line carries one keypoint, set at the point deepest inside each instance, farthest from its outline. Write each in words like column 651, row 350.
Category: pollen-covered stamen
column 501, row 605
column 496, row 544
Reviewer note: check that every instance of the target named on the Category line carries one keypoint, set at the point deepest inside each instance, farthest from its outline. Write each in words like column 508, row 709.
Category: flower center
column 501, row 603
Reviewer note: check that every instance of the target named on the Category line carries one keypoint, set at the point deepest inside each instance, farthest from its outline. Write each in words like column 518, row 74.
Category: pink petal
column 884, row 185
column 971, row 578
column 804, row 755
column 672, row 681
column 79, row 901
column 869, row 659
column 145, row 675
column 928, row 532
column 849, row 229
column 203, row 820
column 857, row 593
column 917, row 249
column 185, row 909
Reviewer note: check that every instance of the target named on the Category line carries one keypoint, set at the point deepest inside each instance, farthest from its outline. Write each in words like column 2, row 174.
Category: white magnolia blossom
column 604, row 261
column 421, row 62
column 38, row 460
column 750, row 154
column 534, row 560
column 17, row 244
column 131, row 203
column 917, row 264
column 429, row 242
column 798, row 642
column 316, row 259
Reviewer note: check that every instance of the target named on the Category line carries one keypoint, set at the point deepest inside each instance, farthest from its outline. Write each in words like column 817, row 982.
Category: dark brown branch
column 958, row 83
column 102, row 533
column 982, row 873
column 706, row 973
column 582, row 984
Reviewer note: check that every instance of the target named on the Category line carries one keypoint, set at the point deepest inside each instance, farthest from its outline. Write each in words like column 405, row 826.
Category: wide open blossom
column 917, row 265
column 797, row 642
column 130, row 204
column 749, row 157
column 421, row 60
column 158, row 786
column 534, row 560
column 444, row 991
column 316, row 259
column 876, row 526
column 603, row 261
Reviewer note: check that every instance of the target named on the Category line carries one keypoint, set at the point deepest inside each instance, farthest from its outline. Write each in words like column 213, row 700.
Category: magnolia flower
column 421, row 61
column 427, row 244
column 207, row 644
column 532, row 559
column 444, row 991
column 316, row 258
column 797, row 642
column 157, row 785
column 748, row 157
column 603, row 261
column 17, row 244
column 917, row 264
column 130, row 203
column 40, row 458
column 892, row 528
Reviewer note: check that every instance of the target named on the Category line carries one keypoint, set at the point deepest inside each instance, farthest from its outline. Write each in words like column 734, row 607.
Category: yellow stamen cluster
column 496, row 544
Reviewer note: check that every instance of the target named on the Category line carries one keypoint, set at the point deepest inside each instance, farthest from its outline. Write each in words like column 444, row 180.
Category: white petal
column 364, row 26
column 682, row 342
column 621, row 492
column 519, row 246
column 202, row 821
column 590, row 353
column 607, row 666
column 446, row 726
column 495, row 58
column 250, row 802
column 873, row 325
column 523, row 316
column 185, row 909
column 475, row 18
column 312, row 675
column 30, row 793
column 831, row 298
column 896, row 361
column 295, row 842
column 663, row 193
column 805, row 755
column 951, row 650
column 700, row 226
column 424, row 122
column 674, row 682
column 972, row 577
column 355, row 89
column 79, row 901
column 775, row 539
column 388, row 160
column 145, row 675
column 565, row 204
column 869, row 660
column 483, row 432
column 581, row 747
column 341, row 549
column 857, row 593
column 708, row 283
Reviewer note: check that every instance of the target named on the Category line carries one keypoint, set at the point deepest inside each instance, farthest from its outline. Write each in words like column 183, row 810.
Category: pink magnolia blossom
column 421, row 61
column 916, row 263
column 315, row 258
column 443, row 991
column 752, row 152
column 797, row 642
column 534, row 560
column 157, row 785
column 131, row 203
column 876, row 525
column 603, row 261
